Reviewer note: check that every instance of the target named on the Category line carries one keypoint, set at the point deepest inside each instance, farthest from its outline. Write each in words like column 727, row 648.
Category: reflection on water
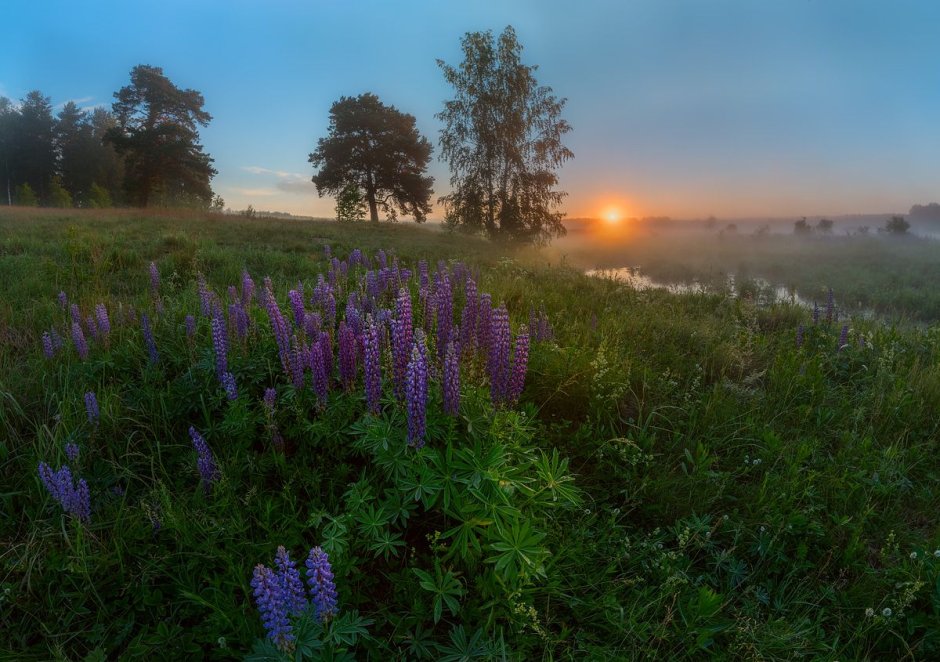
column 758, row 288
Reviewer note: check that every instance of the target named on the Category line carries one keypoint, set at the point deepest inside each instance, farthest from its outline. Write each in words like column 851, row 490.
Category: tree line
column 501, row 136
column 144, row 151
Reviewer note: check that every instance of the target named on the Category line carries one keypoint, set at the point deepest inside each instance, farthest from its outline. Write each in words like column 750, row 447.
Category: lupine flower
column 74, row 498
column 799, row 336
column 326, row 349
column 347, row 355
column 47, row 348
column 63, row 300
column 57, row 341
column 484, row 322
column 205, row 462
column 289, row 577
column 79, row 339
column 240, row 319
column 520, row 363
column 248, row 289
column 297, row 359
column 844, row 337
column 451, row 380
column 468, row 316
column 416, row 392
column 154, row 279
column 280, row 328
column 270, row 397
column 75, row 313
column 297, row 304
column 318, row 370
column 148, row 339
column 815, row 313
column 91, row 408
column 498, row 363
column 205, row 295
column 373, row 376
column 444, row 300
column 219, row 345
column 401, row 340
column 104, row 322
column 231, row 388
column 190, row 326
column 71, row 452
column 322, row 587
column 273, row 604
column 312, row 323
column 92, row 327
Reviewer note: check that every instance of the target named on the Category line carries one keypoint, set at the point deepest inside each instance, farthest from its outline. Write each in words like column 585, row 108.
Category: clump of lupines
column 451, row 379
column 322, row 587
column 91, row 408
column 74, row 498
column 205, row 462
column 274, row 604
column 78, row 338
column 373, row 375
column 102, row 319
column 520, row 363
column 152, row 352
column 416, row 391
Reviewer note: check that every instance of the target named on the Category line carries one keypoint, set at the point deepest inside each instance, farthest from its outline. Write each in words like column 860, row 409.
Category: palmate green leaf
column 466, row 536
column 372, row 520
column 387, row 544
column 347, row 628
column 335, row 539
column 518, row 552
column 463, row 648
column 444, row 585
column 556, row 485
column 264, row 650
column 423, row 486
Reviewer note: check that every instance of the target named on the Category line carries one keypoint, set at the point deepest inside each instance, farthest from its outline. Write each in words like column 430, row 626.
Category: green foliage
column 897, row 225
column 25, row 196
column 350, row 205
column 58, row 196
column 98, row 197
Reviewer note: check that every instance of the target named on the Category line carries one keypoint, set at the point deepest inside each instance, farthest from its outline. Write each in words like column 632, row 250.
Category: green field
column 678, row 480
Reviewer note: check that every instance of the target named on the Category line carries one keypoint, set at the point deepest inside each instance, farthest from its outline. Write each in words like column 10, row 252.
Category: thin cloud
column 77, row 102
column 254, row 192
column 289, row 182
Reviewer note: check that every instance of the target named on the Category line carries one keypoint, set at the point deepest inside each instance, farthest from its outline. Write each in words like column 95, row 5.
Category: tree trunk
column 370, row 198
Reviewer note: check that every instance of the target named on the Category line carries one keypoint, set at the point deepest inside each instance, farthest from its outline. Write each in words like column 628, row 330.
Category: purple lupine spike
column 270, row 398
column 520, row 364
column 326, row 349
column 273, row 605
column 468, row 316
column 373, row 375
column 148, row 339
column 416, row 391
column 799, row 336
column 63, row 300
column 291, row 583
column 190, row 326
column 381, row 259
column 219, row 345
column 322, row 586
column 355, row 258
column 78, row 337
column 484, row 322
column 297, row 305
column 248, row 289
column 546, row 332
column 451, row 380
column 92, row 327
column 353, row 314
column 347, row 355
column 830, row 305
column 102, row 319
column 231, row 388
column 75, row 313
column 239, row 319
column 498, row 360
column 844, row 337
column 57, row 341
column 296, row 361
column 71, row 451
column 444, row 300
column 319, row 372
column 154, row 279
column 47, row 348
column 205, row 295
column 423, row 281
column 815, row 313
column 232, row 293
column 91, row 408
column 74, row 498
column 312, row 323
column 402, row 341
column 205, row 462
column 280, row 328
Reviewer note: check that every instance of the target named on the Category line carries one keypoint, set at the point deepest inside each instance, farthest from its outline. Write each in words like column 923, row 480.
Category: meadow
column 565, row 469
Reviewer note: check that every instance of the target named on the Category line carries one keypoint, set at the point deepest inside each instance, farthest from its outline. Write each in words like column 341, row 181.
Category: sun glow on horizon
column 612, row 215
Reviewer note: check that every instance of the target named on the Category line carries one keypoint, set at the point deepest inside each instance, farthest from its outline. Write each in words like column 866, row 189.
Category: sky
column 682, row 108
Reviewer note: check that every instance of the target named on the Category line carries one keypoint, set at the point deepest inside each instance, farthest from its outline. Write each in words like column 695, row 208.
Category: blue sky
column 679, row 107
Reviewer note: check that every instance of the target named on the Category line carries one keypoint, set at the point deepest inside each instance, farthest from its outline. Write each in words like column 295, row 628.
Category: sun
column 612, row 215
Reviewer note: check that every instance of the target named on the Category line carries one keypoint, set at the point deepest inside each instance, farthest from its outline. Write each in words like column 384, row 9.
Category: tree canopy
column 502, row 139
column 377, row 149
column 157, row 132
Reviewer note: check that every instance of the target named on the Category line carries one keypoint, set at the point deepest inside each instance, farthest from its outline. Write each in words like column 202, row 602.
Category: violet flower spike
column 291, row 583
column 78, row 337
column 91, row 408
column 373, row 375
column 416, row 392
column 322, row 586
column 273, row 606
column 451, row 380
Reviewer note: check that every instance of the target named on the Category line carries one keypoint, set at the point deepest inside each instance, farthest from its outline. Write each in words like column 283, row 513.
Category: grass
column 678, row 480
